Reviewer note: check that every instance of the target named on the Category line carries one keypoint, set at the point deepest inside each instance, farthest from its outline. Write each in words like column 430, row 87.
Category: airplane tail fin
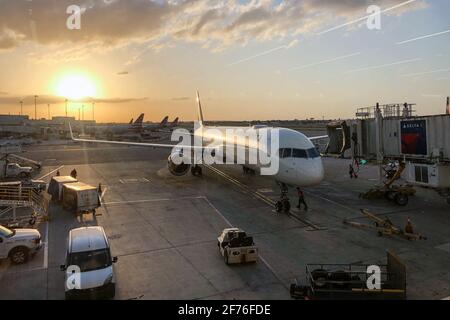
column 131, row 121
column 164, row 121
column 139, row 120
column 175, row 122
column 200, row 111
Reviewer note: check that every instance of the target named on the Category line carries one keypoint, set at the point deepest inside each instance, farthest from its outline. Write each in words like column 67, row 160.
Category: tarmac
column 164, row 229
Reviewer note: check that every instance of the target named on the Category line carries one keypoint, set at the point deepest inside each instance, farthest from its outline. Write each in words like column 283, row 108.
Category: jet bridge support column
column 379, row 140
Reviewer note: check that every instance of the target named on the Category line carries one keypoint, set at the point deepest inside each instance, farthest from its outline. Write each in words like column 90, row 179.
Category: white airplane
column 300, row 164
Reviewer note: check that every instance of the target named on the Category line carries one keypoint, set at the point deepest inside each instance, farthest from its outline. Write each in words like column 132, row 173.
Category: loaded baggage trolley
column 351, row 281
column 80, row 198
column 55, row 187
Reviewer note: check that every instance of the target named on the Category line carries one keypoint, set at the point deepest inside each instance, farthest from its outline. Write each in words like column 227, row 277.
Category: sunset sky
column 250, row 60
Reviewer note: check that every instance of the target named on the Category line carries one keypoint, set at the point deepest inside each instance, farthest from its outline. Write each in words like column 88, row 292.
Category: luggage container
column 80, row 198
column 55, row 187
column 350, row 281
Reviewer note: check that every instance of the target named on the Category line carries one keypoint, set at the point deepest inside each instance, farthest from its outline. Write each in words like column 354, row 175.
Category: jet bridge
column 339, row 135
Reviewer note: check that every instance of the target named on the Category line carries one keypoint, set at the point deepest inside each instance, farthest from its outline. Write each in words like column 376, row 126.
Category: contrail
column 326, row 61
column 384, row 65
column 258, row 55
column 424, row 73
column 325, row 31
column 366, row 17
column 424, row 37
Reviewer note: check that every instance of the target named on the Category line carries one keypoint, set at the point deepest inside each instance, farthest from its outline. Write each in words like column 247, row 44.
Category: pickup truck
column 15, row 170
column 19, row 244
column 37, row 185
column 236, row 247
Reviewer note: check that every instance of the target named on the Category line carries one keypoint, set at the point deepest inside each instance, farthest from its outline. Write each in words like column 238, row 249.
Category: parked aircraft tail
column 164, row 121
column 174, row 123
column 139, row 120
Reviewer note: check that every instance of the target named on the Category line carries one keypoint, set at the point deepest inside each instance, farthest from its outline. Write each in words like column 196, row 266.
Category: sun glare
column 76, row 87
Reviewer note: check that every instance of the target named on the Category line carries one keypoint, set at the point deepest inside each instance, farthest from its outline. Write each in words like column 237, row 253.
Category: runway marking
column 331, row 201
column 134, row 180
column 103, row 194
column 151, row 200
column 271, row 269
column 217, row 211
column 51, row 172
column 45, row 265
column 263, row 198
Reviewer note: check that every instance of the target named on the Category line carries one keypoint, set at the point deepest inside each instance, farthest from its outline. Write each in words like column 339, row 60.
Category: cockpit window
column 313, row 153
column 299, row 153
column 287, row 153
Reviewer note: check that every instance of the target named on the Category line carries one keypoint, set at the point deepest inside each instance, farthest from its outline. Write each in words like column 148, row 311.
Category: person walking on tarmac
column 409, row 227
column 301, row 199
column 57, row 173
column 351, row 172
column 74, row 173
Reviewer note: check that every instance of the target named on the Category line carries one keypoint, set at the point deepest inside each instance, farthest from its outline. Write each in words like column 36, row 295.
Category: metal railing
column 14, row 196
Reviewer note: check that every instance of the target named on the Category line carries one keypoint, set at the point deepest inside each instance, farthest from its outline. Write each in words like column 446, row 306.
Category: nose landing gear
column 196, row 171
column 283, row 204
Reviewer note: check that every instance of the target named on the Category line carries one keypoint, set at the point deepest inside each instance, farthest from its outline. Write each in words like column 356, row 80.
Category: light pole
column 66, row 107
column 48, row 107
column 93, row 111
column 21, row 107
column 35, row 107
column 82, row 112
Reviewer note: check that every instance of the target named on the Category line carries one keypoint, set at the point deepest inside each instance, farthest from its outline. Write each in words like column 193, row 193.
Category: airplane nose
column 320, row 171
column 315, row 174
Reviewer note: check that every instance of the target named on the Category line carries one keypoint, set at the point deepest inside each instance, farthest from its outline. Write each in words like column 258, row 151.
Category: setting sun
column 76, row 87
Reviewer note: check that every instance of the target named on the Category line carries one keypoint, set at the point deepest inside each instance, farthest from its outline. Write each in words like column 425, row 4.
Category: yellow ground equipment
column 397, row 193
column 383, row 226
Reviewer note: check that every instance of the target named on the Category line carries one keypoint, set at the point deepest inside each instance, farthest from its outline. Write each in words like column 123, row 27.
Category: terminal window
column 421, row 174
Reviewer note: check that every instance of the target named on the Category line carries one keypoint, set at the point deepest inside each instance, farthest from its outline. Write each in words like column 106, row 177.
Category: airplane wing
column 137, row 144
column 317, row 138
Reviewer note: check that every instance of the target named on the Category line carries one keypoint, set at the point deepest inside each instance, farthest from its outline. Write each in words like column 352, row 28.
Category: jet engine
column 178, row 165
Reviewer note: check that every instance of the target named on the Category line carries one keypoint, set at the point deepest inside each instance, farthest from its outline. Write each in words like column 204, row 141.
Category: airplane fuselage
column 299, row 162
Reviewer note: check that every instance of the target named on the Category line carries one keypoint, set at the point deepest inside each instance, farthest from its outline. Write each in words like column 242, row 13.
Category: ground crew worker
column 409, row 227
column 301, row 199
column 74, row 173
column 57, row 173
column 351, row 172
column 100, row 189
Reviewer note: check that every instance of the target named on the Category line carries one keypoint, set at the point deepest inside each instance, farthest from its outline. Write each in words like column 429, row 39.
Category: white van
column 89, row 265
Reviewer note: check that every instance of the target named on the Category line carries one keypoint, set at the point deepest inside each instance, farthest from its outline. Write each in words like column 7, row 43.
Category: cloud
column 9, row 39
column 213, row 24
column 181, row 98
column 50, row 99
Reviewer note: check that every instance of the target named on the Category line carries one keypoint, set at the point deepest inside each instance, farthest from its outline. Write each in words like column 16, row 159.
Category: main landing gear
column 196, row 171
column 283, row 205
column 248, row 171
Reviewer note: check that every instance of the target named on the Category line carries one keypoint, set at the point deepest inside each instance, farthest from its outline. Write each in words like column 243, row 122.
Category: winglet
column 200, row 111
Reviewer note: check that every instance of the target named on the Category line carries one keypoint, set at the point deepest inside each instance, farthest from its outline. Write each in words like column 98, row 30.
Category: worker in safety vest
column 301, row 199
column 409, row 227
